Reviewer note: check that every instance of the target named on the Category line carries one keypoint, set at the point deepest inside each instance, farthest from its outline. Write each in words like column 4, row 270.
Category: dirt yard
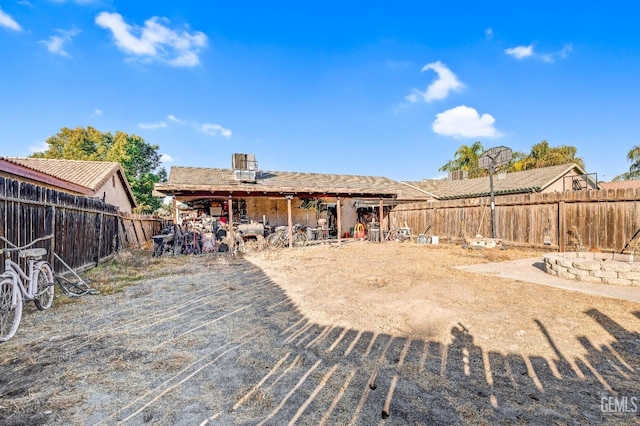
column 355, row 334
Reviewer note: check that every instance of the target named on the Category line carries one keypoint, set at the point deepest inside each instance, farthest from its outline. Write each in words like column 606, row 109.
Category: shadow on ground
column 258, row 360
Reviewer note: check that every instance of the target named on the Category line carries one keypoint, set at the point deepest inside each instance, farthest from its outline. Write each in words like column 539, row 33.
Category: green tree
column 466, row 158
column 634, row 169
column 543, row 155
column 139, row 160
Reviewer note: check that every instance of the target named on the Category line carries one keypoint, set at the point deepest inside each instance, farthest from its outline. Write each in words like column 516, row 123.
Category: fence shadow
column 335, row 375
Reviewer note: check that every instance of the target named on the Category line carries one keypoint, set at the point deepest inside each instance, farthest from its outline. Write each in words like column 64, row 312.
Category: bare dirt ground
column 355, row 334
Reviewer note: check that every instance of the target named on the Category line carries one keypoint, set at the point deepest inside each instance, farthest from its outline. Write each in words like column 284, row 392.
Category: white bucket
column 434, row 239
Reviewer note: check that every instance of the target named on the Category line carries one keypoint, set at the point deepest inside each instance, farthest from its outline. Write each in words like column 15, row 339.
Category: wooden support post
column 230, row 224
column 381, row 214
column 176, row 213
column 562, row 223
column 339, row 218
column 290, row 220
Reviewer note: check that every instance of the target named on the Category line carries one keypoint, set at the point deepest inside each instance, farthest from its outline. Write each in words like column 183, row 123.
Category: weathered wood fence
column 85, row 229
column 563, row 221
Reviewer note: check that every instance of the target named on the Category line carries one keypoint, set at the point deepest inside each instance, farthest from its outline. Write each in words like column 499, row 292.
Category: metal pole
column 493, row 205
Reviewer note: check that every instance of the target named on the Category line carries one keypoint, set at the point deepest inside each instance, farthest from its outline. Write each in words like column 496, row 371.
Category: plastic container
column 434, row 239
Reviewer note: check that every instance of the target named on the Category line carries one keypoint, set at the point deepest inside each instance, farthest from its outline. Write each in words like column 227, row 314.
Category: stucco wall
column 115, row 194
column 275, row 210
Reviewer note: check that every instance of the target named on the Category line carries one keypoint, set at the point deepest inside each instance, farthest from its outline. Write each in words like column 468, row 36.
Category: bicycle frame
column 17, row 274
column 14, row 270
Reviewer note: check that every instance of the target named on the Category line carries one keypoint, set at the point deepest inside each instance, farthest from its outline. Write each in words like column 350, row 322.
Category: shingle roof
column 89, row 174
column 534, row 180
column 195, row 178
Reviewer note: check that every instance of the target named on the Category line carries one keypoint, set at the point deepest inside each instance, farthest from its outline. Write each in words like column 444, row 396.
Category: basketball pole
column 493, row 204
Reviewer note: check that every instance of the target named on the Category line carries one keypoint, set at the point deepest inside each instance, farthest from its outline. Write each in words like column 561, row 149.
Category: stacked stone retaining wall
column 599, row 268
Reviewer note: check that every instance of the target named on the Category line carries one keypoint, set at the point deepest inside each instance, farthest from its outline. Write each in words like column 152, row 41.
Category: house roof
column 212, row 181
column 534, row 180
column 91, row 175
column 623, row 184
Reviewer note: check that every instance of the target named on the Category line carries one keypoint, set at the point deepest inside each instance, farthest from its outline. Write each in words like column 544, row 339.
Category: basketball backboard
column 496, row 157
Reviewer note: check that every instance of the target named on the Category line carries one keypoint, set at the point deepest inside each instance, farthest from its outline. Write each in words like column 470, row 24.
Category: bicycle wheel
column 273, row 240
column 300, row 239
column 10, row 315
column 43, row 277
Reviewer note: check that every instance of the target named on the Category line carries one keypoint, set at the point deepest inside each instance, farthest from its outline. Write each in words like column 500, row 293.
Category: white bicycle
column 18, row 287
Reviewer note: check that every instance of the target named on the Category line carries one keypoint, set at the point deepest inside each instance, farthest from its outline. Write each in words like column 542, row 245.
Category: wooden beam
column 339, row 218
column 230, row 225
column 290, row 220
column 381, row 214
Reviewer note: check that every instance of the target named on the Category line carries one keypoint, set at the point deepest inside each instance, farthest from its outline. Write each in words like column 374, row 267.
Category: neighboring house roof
column 623, row 184
column 535, row 180
column 183, row 180
column 85, row 175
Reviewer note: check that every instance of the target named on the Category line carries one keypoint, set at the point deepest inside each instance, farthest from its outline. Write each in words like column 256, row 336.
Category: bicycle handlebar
column 15, row 247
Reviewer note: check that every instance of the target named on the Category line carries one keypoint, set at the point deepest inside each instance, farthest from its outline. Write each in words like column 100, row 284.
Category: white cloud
column 465, row 122
column 210, row 129
column 520, row 52
column 166, row 158
column 173, row 118
column 55, row 43
column 215, row 129
column 97, row 112
column 488, row 33
column 153, row 126
column 40, row 147
column 75, row 1
column 440, row 88
column 155, row 40
column 566, row 49
column 8, row 22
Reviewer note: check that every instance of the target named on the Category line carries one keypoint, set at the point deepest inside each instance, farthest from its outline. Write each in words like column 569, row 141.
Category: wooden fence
column 85, row 229
column 564, row 221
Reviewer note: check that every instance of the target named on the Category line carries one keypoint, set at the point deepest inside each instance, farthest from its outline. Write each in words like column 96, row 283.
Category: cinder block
column 616, row 281
column 605, row 274
column 587, row 265
column 616, row 266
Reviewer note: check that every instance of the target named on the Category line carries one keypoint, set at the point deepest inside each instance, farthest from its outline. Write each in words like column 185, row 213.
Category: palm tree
column 634, row 168
column 466, row 158
column 543, row 155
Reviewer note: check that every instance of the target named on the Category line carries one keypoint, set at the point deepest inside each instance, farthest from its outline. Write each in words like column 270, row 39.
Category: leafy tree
column 466, row 158
column 543, row 155
column 139, row 160
column 634, row 168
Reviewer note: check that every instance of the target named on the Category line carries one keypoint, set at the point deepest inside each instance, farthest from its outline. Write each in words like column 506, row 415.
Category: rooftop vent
column 245, row 167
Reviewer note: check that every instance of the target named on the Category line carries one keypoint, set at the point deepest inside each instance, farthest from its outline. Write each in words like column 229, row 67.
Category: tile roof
column 88, row 174
column 534, row 180
column 623, row 184
column 187, row 178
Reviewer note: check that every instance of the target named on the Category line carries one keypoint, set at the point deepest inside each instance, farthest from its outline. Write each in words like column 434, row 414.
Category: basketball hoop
column 490, row 159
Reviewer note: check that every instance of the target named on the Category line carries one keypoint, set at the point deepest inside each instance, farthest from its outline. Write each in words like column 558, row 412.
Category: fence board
column 568, row 220
column 85, row 229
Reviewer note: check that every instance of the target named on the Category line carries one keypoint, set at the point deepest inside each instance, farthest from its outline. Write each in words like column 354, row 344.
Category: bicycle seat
column 34, row 253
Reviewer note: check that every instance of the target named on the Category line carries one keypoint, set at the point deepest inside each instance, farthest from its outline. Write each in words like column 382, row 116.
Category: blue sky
column 362, row 87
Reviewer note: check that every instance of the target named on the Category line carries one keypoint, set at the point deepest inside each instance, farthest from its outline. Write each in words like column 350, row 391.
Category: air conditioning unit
column 457, row 174
column 245, row 167
column 244, row 162
column 245, row 175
